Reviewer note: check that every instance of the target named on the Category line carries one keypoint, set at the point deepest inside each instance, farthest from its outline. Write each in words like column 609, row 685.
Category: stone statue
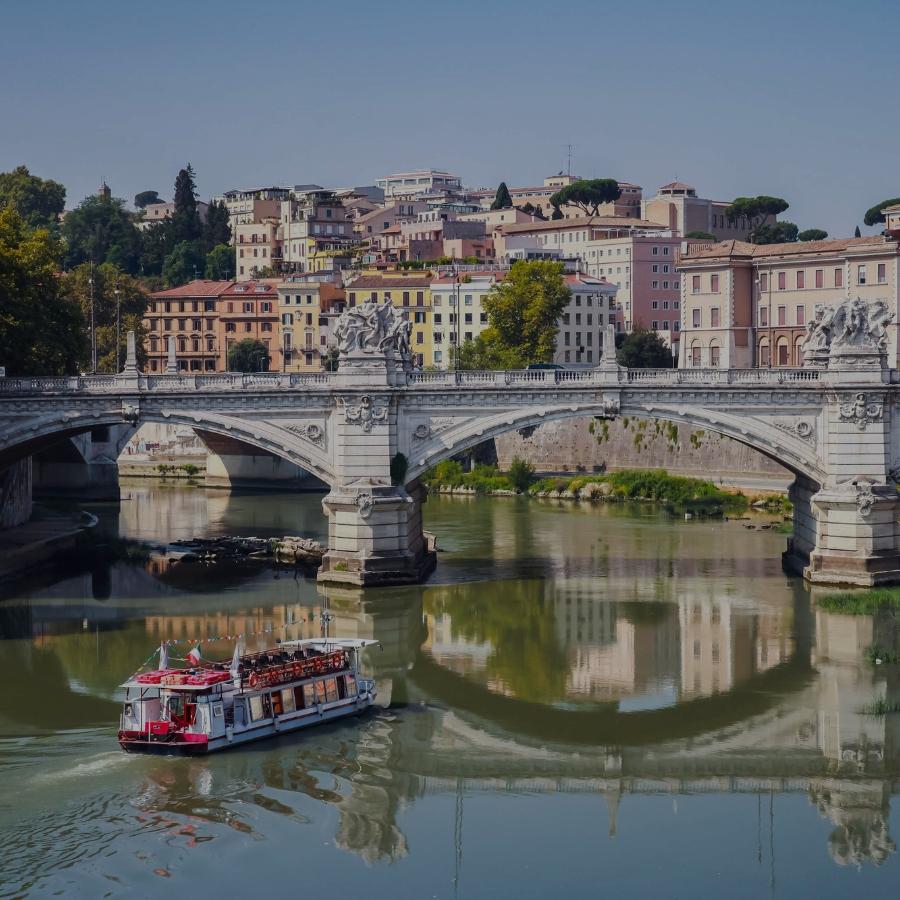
column 373, row 329
column 854, row 327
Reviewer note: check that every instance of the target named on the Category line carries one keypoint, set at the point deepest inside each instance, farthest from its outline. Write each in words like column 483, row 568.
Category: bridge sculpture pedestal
column 375, row 532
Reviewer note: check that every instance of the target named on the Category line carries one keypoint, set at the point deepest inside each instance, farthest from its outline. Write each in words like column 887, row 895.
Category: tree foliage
column 700, row 236
column 41, row 329
column 503, row 200
column 776, row 233
column 102, row 230
column 812, row 234
column 523, row 311
column 875, row 214
column 132, row 303
column 185, row 221
column 216, row 229
column 184, row 263
column 755, row 210
column 644, row 349
column 587, row 194
column 38, row 201
column 520, row 473
column 248, row 355
column 220, row 263
column 856, row 232
column 146, row 198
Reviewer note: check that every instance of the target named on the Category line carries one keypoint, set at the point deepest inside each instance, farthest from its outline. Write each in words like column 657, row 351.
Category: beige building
column 253, row 205
column 315, row 228
column 257, row 246
column 748, row 305
column 677, row 206
column 591, row 308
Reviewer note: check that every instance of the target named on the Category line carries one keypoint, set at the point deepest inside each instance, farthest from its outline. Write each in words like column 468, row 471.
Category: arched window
column 782, row 352
column 153, row 343
column 182, row 345
column 714, row 354
column 762, row 353
column 695, row 354
column 798, row 352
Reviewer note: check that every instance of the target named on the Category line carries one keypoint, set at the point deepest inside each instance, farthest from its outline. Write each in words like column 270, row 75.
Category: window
column 764, row 282
column 782, row 280
column 714, row 283
column 695, row 284
column 820, row 278
column 654, row 304
column 257, row 711
column 838, row 277
column 882, row 273
column 655, row 285
column 309, row 695
column 801, row 279
column 782, row 315
column 406, row 298
column 763, row 316
column 696, row 318
column 320, row 692
column 801, row 315
column 714, row 355
column 420, row 298
column 861, row 274
column 714, row 317
column 655, row 268
column 654, row 325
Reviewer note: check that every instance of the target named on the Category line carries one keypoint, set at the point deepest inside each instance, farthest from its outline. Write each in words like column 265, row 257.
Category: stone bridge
column 371, row 429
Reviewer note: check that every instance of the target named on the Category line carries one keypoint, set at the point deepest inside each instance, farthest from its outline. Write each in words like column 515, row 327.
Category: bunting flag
column 194, row 656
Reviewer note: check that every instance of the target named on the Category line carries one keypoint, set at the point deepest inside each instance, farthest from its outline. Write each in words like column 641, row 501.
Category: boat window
column 298, row 697
column 256, row 709
column 351, row 685
column 320, row 692
column 287, row 700
column 309, row 695
column 331, row 692
column 175, row 705
column 238, row 712
column 217, row 711
column 276, row 703
column 129, row 710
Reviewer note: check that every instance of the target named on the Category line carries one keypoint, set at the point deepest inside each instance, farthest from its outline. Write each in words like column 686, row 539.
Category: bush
column 190, row 469
column 860, row 603
column 521, row 474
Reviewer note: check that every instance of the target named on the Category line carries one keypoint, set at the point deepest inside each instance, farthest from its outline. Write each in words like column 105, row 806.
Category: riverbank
column 31, row 544
column 657, row 486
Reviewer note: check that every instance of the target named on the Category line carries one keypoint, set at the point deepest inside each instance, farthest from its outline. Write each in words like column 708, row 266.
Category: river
column 600, row 699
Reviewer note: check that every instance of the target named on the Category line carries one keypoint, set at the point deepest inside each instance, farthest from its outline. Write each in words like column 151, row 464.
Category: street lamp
column 93, row 330
column 118, row 328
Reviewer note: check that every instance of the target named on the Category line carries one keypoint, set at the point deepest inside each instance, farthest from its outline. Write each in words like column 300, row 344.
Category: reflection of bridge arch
column 791, row 452
column 607, row 726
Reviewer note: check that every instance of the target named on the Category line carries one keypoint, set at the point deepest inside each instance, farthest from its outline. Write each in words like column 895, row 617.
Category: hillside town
column 675, row 263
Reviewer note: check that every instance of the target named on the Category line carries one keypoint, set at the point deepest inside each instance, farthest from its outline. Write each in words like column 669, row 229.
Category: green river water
column 602, row 700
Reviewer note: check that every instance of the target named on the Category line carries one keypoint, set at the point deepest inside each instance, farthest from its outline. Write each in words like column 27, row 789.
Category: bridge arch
column 792, row 452
column 35, row 434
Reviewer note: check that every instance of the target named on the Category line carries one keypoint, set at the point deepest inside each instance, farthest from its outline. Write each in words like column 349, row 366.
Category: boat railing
column 256, row 676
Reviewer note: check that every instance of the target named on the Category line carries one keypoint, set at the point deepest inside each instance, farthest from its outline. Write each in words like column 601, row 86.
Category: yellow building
column 411, row 293
column 304, row 323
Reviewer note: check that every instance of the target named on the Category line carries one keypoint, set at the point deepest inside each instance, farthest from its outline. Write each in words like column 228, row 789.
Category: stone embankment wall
column 588, row 445
column 15, row 494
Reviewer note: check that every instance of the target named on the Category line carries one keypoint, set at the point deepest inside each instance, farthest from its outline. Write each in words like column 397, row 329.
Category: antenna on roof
column 569, row 149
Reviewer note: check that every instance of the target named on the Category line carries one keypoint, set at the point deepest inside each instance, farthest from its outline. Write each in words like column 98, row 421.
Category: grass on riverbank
column 881, row 707
column 657, row 485
column 878, row 656
column 861, row 603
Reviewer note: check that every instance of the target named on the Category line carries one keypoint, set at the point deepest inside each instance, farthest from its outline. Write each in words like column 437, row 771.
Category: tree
column 132, row 305
column 776, row 233
column 185, row 222
column 102, row 230
column 186, row 262
column 755, row 210
column 520, row 474
column 38, row 201
column 875, row 214
column 644, row 349
column 856, row 232
column 523, row 312
column 156, row 244
column 216, row 229
column 220, row 263
column 41, row 330
column 503, row 199
column 528, row 208
column 587, row 194
column 331, row 359
column 701, row 236
column 248, row 355
column 812, row 234
column 146, row 198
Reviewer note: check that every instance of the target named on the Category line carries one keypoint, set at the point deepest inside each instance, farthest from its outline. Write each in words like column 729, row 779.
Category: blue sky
column 797, row 99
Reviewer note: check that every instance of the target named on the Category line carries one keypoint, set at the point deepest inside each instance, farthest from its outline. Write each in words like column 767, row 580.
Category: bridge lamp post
column 118, row 327
column 93, row 329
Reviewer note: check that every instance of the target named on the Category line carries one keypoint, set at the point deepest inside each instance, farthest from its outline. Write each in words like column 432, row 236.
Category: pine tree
column 186, row 219
column 857, row 233
column 503, row 200
column 216, row 230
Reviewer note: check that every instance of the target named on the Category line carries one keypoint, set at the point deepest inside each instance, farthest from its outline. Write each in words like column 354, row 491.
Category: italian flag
column 194, row 656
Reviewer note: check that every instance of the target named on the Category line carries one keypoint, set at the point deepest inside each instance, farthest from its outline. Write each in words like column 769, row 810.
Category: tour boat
column 214, row 706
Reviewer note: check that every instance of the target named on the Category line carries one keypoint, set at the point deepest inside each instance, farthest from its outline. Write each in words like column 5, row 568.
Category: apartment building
column 257, row 246
column 249, row 310
column 458, row 310
column 189, row 314
column 748, row 305
column 677, row 206
column 409, row 185
column 253, row 205
column 378, row 220
column 154, row 213
column 307, row 307
column 590, row 310
column 412, row 294
column 315, row 228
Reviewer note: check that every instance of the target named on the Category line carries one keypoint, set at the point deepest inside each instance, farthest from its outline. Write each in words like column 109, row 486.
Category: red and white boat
column 213, row 706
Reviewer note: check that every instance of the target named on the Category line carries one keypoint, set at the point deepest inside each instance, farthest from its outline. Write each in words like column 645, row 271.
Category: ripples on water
column 579, row 696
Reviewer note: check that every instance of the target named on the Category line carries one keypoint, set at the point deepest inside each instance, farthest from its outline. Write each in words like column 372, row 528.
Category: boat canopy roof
column 133, row 683
column 325, row 644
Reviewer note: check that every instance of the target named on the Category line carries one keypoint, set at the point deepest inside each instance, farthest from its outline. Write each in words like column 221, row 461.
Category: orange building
column 249, row 309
